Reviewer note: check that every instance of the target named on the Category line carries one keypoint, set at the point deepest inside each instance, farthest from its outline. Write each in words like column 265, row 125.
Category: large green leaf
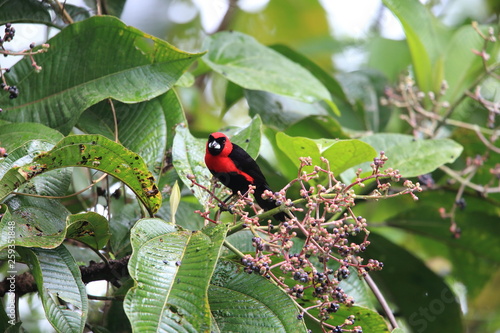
column 15, row 134
column 250, row 303
column 421, row 297
column 146, row 128
column 414, row 157
column 368, row 319
column 462, row 66
column 172, row 269
column 325, row 78
column 91, row 151
column 280, row 111
column 363, row 89
column 246, row 62
column 324, row 127
column 45, row 223
column 380, row 47
column 474, row 255
column 342, row 154
column 188, row 155
column 89, row 228
column 57, row 276
column 23, row 141
column 37, row 222
column 142, row 128
column 24, row 11
column 411, row 157
column 83, row 69
column 426, row 39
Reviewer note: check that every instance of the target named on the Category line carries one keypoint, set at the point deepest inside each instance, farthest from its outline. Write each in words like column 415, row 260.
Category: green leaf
column 138, row 67
column 280, row 111
column 324, row 127
column 23, row 141
column 146, row 128
column 120, row 224
column 246, row 62
column 325, row 78
column 24, row 11
column 38, row 222
column 342, row 154
column 414, row 157
column 188, row 154
column 250, row 303
column 363, row 89
column 462, row 66
column 380, row 47
column 426, row 38
column 57, row 276
column 184, row 216
column 89, row 228
column 14, row 135
column 51, row 183
column 249, row 137
column 312, row 36
column 21, row 156
column 142, row 128
column 172, row 269
column 96, row 152
column 368, row 319
column 474, row 256
column 421, row 296
column 45, row 223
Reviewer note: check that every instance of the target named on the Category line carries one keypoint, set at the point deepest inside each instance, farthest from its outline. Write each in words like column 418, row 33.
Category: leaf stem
column 381, row 299
column 233, row 249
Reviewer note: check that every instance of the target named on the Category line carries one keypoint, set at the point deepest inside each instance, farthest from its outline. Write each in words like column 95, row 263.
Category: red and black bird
column 234, row 168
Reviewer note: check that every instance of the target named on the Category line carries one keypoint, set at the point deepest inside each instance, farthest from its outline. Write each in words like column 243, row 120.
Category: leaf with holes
column 172, row 269
column 91, row 151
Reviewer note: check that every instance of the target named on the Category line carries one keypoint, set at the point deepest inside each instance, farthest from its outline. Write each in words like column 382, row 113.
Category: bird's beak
column 214, row 145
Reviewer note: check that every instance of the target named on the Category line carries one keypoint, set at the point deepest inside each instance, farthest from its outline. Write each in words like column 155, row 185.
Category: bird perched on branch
column 234, row 168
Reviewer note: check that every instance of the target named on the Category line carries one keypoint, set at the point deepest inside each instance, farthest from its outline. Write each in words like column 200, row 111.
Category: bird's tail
column 268, row 204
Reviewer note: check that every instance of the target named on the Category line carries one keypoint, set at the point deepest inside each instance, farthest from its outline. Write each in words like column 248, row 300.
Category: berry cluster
column 258, row 265
column 332, row 237
column 10, row 31
column 13, row 91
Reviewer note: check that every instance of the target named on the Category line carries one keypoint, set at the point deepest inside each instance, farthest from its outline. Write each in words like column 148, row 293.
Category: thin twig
column 62, row 196
column 64, row 14
column 381, row 299
column 478, row 188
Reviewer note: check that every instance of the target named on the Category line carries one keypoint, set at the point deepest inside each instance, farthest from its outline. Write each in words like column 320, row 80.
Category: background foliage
column 121, row 117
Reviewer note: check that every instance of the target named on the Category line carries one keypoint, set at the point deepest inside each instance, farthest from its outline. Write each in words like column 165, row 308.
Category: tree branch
column 25, row 283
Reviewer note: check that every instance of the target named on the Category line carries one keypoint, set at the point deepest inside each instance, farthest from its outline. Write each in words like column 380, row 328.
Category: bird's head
column 219, row 143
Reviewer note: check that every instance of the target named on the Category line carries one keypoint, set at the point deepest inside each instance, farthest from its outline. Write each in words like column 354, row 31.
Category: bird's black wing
column 247, row 164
